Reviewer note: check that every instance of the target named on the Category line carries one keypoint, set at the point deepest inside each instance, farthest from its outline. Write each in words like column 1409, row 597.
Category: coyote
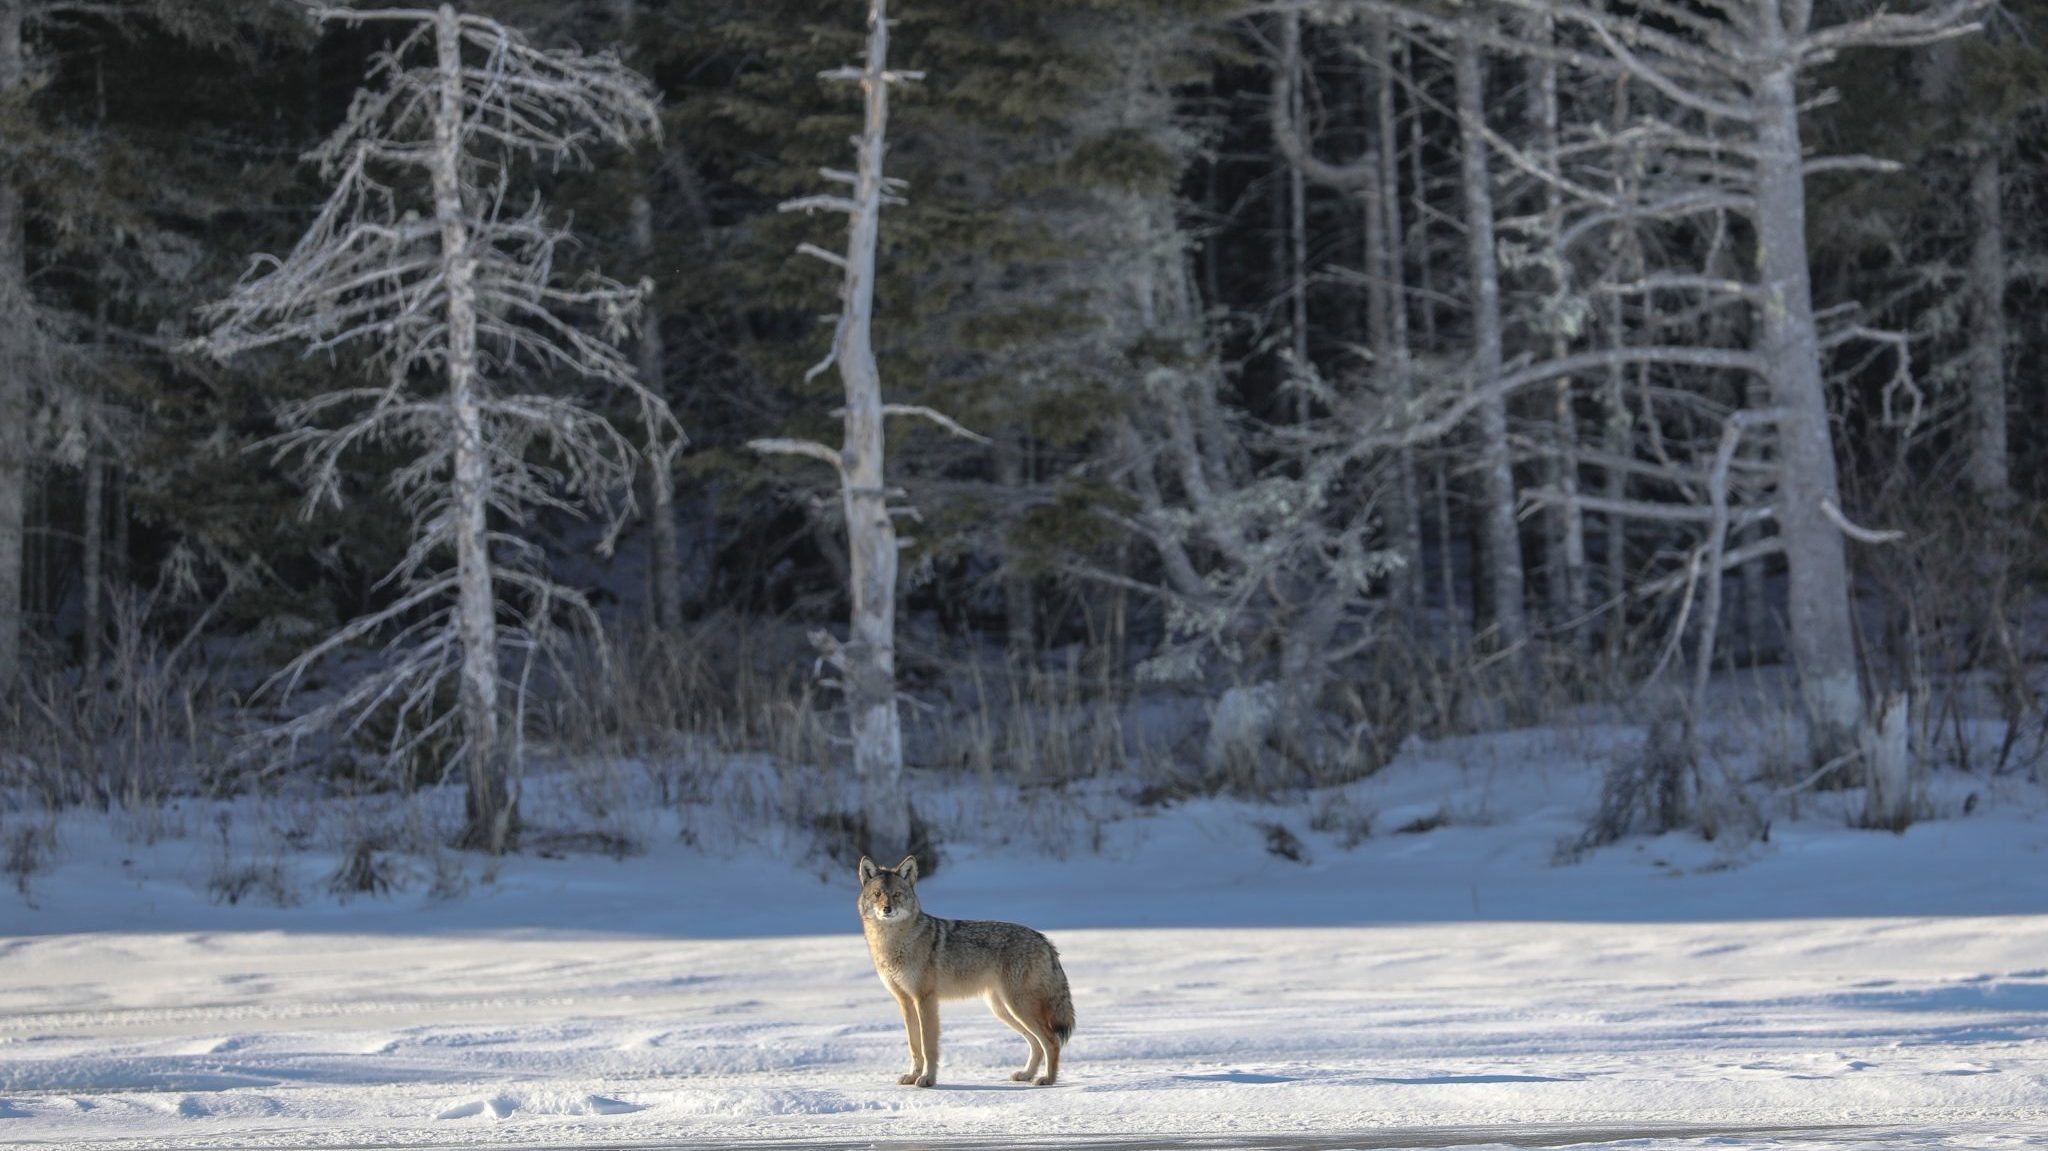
column 923, row 959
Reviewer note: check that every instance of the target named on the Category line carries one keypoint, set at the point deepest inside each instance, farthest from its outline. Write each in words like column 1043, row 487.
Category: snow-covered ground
column 1829, row 988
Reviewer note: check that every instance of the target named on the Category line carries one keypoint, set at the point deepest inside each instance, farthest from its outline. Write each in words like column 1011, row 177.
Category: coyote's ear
column 868, row 870
column 908, row 868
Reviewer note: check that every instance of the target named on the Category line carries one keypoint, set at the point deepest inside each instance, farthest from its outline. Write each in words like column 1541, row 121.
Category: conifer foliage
column 1349, row 370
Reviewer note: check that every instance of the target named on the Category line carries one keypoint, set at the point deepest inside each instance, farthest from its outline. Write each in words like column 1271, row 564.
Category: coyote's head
column 888, row 894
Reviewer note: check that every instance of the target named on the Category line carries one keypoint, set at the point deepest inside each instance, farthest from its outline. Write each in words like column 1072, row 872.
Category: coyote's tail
column 1061, row 1009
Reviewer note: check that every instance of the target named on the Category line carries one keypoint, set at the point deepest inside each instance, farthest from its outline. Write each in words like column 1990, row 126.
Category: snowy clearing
column 1831, row 988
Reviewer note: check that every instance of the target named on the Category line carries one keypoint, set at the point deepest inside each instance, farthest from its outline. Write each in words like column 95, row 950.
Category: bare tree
column 1504, row 572
column 1723, row 110
column 415, row 261
column 1742, row 70
column 1372, row 178
column 866, row 661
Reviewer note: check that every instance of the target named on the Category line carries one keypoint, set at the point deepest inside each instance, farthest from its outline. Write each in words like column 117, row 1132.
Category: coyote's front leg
column 928, row 1021
column 913, row 1029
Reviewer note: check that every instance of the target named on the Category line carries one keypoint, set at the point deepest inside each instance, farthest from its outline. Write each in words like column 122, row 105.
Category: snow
column 1828, row 988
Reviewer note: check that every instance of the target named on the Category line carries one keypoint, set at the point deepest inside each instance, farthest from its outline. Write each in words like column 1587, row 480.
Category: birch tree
column 1499, row 529
column 866, row 660
column 419, row 263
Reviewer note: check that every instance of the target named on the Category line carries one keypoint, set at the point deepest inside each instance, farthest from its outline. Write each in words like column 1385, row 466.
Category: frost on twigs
column 428, row 269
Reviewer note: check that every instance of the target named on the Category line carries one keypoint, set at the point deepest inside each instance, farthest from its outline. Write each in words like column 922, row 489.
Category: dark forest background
column 1256, row 504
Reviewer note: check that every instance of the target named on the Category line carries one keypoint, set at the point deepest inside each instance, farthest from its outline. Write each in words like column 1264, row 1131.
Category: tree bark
column 1617, row 436
column 1987, row 468
column 1019, row 612
column 1566, row 522
column 1390, row 276
column 1297, row 234
column 491, row 808
column 665, row 546
column 1418, row 184
column 14, row 369
column 1891, row 779
column 1502, row 540
column 1447, row 560
column 870, row 657
column 664, row 557
column 1817, row 607
column 1756, row 599
column 92, row 589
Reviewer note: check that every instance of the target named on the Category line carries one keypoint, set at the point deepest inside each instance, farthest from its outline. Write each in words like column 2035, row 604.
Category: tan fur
column 923, row 959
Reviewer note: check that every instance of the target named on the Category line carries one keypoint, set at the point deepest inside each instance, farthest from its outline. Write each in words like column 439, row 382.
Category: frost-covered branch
column 414, row 266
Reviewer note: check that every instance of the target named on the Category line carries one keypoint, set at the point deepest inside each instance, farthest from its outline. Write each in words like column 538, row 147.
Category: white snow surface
column 1830, row 988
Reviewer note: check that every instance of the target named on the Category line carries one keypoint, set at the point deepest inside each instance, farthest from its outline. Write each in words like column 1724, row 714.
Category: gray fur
column 922, row 959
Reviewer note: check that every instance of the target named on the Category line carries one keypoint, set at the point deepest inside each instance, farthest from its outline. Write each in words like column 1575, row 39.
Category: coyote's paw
column 1042, row 1081
column 916, row 1080
column 1024, row 1076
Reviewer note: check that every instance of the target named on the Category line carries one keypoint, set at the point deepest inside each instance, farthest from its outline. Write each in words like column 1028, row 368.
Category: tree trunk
column 1890, row 789
column 1817, row 607
column 1020, row 616
column 664, row 552
column 1297, row 235
column 1617, row 437
column 1418, row 184
column 1389, row 271
column 1756, row 600
column 1987, row 470
column 870, row 656
column 1566, row 522
column 665, row 547
column 14, row 371
column 1447, row 561
column 92, row 589
column 1497, row 482
column 491, row 807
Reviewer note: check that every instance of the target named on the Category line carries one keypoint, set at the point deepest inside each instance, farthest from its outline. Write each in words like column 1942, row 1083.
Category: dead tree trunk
column 665, row 565
column 1817, row 598
column 1891, row 786
column 870, row 659
column 1502, row 540
column 1392, row 275
column 14, row 368
column 1987, row 468
column 1566, row 576
column 866, row 662
column 491, row 808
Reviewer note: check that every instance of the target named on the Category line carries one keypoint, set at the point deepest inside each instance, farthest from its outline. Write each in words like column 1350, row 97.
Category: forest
column 490, row 420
